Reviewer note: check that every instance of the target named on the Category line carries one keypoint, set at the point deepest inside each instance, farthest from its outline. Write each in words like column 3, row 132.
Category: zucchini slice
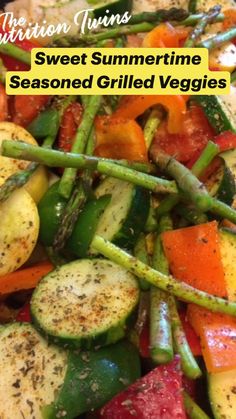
column 19, row 228
column 230, row 160
column 85, row 302
column 32, row 372
column 221, row 183
column 114, row 7
column 85, row 226
column 222, row 394
column 93, row 378
column 126, row 214
column 220, row 110
column 228, row 257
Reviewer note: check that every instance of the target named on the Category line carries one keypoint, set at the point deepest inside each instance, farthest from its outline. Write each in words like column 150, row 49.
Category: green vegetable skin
column 93, row 378
column 115, row 7
column 86, row 225
column 50, row 209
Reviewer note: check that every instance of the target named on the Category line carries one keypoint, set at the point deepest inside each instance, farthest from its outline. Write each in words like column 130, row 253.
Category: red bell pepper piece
column 189, row 142
column 70, row 121
column 156, row 395
column 26, row 108
column 11, row 63
column 144, row 341
column 191, row 336
column 226, row 140
column 3, row 103
column 24, row 314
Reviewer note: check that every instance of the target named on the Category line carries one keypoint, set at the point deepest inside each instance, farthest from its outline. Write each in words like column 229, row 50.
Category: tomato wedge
column 196, row 132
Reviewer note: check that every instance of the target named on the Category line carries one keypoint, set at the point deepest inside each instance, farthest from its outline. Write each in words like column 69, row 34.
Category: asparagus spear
column 164, row 282
column 140, row 252
column 16, row 52
column 192, row 409
column 69, row 217
column 188, row 362
column 160, row 323
column 150, row 127
column 218, row 39
column 192, row 20
column 199, row 29
column 69, row 175
column 103, row 35
column 190, row 214
column 161, row 15
column 210, row 151
column 54, row 158
column 186, row 181
column 17, row 180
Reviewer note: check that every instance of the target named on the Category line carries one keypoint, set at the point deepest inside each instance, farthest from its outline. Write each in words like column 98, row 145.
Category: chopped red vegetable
column 3, row 103
column 70, row 121
column 192, row 338
column 24, row 314
column 187, row 144
column 27, row 45
column 226, row 140
column 156, row 395
column 26, row 108
column 144, row 341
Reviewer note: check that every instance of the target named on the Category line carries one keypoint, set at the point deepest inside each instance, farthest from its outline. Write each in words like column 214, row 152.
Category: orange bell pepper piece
column 133, row 106
column 194, row 257
column 24, row 279
column 165, row 36
column 3, row 103
column 230, row 18
column 119, row 138
column 218, row 338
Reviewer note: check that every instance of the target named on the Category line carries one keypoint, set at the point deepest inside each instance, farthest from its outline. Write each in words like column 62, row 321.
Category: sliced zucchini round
column 126, row 214
column 222, row 183
column 19, row 228
column 220, row 110
column 32, row 372
column 86, row 225
column 85, row 303
column 38, row 182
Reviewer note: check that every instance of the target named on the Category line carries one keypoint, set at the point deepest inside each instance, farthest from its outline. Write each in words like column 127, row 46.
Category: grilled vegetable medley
column 118, row 229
